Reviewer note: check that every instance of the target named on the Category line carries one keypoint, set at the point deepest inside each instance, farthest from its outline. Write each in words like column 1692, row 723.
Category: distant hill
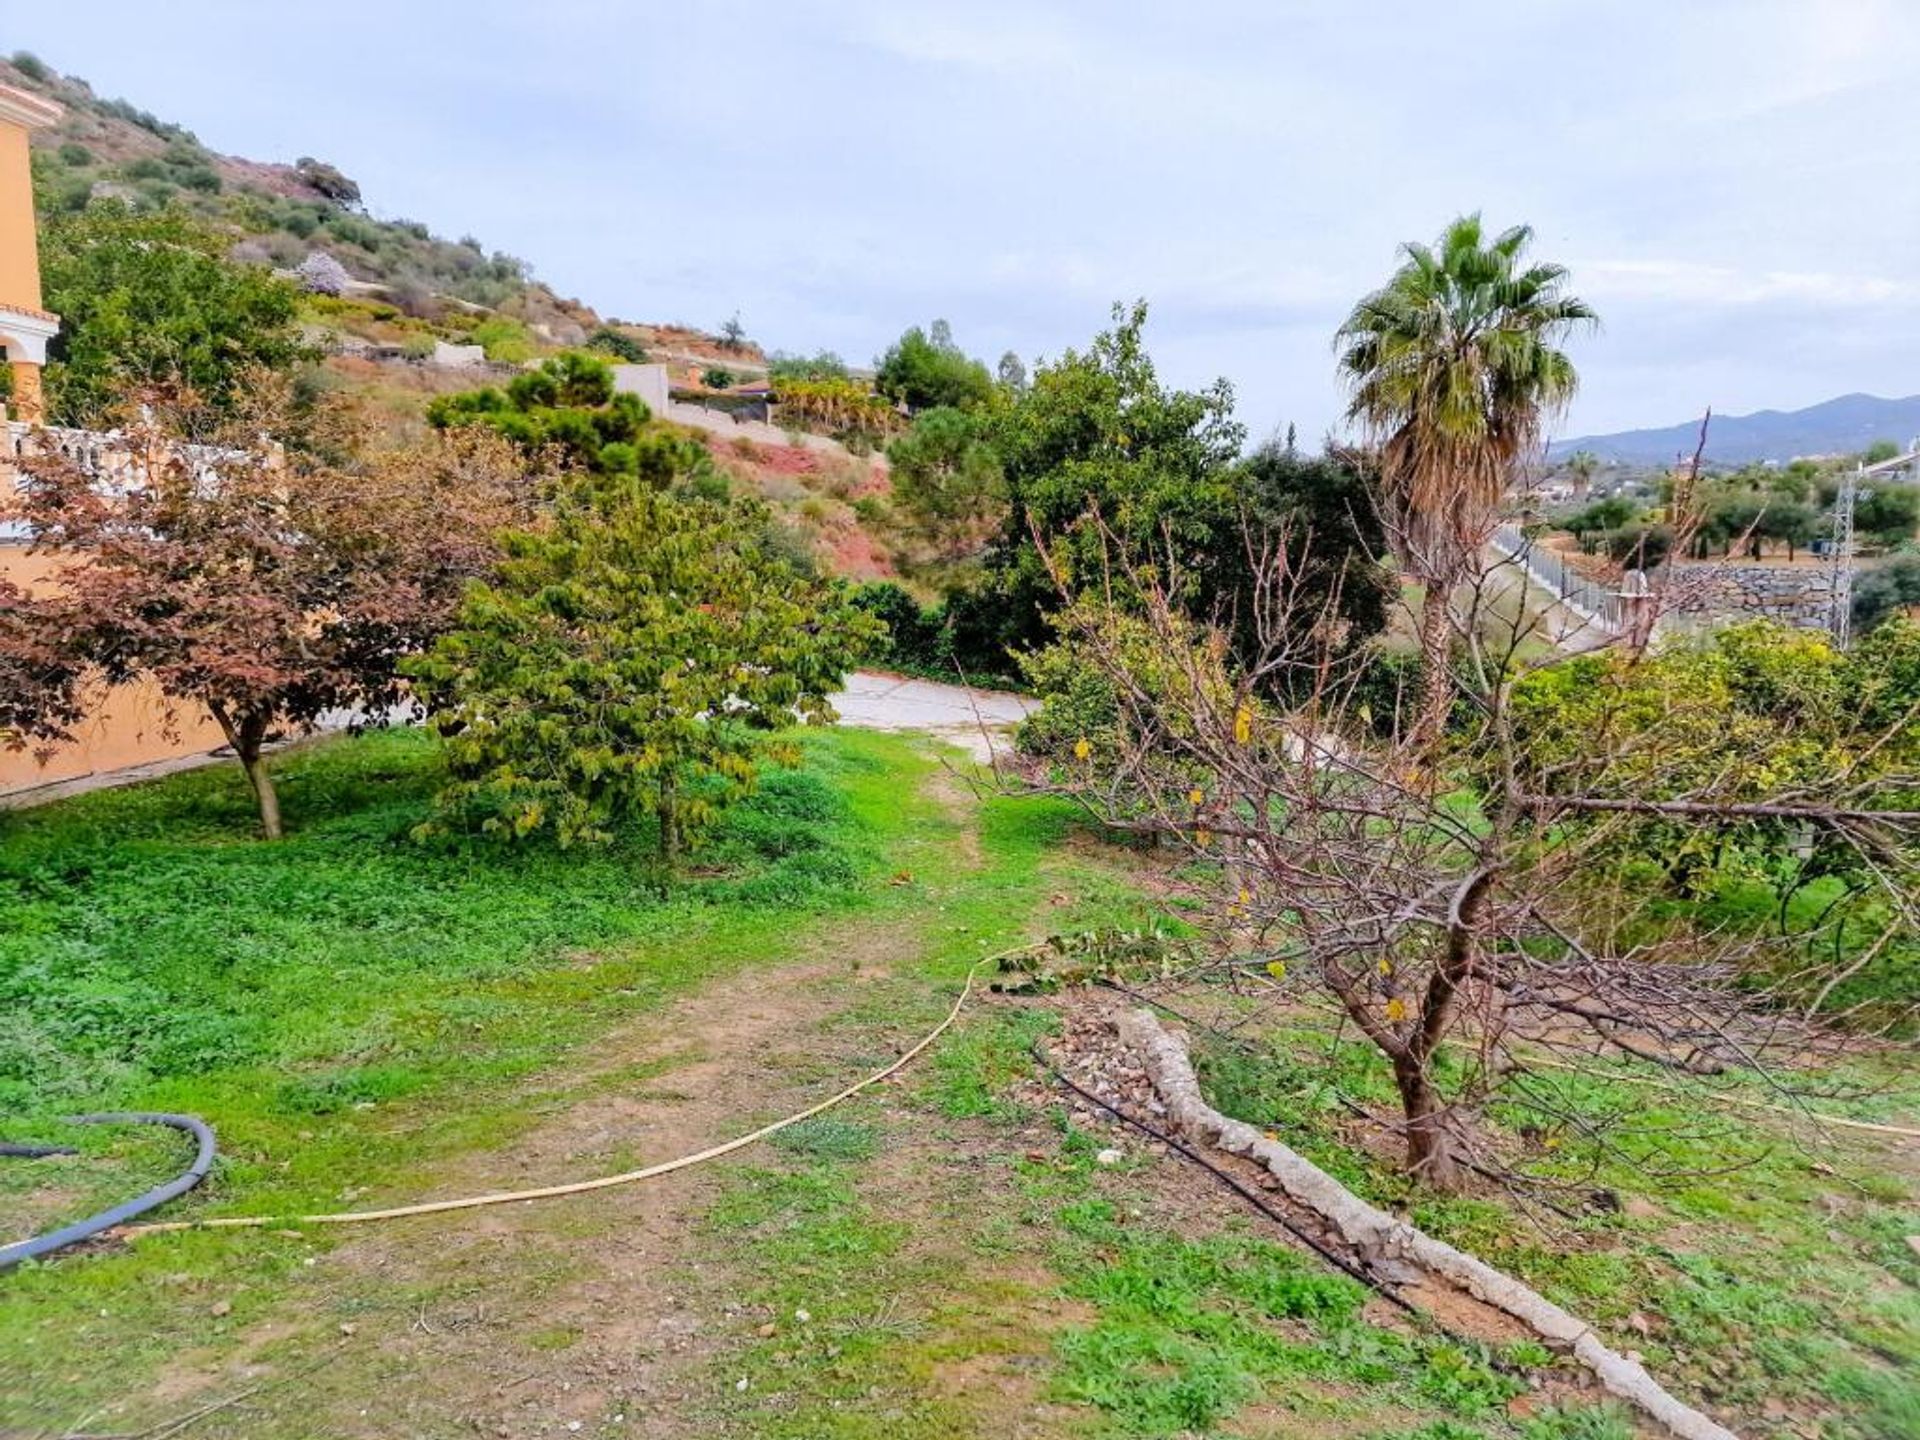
column 1842, row 426
column 278, row 214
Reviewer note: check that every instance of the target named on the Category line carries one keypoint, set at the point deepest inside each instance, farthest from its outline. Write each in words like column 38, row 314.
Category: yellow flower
column 1277, row 969
column 1386, row 966
column 1202, row 837
column 1396, row 1009
column 1242, row 725
column 1197, row 796
column 1081, row 749
column 1246, row 897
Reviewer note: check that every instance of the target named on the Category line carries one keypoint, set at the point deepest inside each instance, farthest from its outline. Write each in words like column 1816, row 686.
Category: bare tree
column 1461, row 894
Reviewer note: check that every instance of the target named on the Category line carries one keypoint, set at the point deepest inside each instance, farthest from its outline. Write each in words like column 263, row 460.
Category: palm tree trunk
column 1436, row 669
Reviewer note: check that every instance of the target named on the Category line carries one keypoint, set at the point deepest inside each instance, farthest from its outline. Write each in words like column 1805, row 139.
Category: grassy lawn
column 1038, row 1291
column 368, row 1021
column 1759, row 1266
column 348, row 1007
column 156, row 956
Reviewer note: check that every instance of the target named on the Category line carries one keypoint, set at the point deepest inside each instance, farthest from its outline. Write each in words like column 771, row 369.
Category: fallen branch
column 1379, row 1235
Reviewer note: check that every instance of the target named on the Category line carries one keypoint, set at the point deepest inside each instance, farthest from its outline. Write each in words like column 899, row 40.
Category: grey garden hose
column 39, row 1245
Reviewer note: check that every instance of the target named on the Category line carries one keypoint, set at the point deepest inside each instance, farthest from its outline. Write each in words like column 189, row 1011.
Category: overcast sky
column 1735, row 183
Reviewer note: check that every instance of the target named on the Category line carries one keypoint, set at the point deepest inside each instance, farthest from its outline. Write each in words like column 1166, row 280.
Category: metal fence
column 1590, row 599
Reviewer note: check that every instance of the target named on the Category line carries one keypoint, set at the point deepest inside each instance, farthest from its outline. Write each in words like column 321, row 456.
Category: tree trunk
column 256, row 767
column 669, row 827
column 1436, row 671
column 246, row 735
column 1431, row 1154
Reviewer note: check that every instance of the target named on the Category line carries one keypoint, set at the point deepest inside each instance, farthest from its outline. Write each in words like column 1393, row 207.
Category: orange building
column 127, row 725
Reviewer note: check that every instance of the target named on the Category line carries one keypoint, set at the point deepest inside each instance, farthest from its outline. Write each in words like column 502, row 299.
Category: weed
column 827, row 1138
column 1579, row 1422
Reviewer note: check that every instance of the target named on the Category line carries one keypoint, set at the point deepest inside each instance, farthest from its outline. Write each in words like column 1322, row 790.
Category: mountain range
column 1843, row 425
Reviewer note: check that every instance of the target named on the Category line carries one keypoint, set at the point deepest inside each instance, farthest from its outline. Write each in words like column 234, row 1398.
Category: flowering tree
column 321, row 274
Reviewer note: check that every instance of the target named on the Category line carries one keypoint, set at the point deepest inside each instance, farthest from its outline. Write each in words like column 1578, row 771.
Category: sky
column 1735, row 184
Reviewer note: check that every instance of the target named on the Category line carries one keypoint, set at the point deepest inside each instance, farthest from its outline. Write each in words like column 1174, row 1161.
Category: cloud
column 1692, row 283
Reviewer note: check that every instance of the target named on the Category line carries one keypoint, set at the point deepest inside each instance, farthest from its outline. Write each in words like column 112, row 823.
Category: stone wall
column 1791, row 594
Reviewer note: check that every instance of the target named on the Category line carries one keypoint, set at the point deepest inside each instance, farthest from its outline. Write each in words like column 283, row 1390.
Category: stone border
column 1380, row 1236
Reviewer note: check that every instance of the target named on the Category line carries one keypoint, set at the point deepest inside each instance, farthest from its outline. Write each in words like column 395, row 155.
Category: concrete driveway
column 979, row 721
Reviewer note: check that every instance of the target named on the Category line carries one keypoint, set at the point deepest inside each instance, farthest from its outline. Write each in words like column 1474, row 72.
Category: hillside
column 1843, row 425
column 281, row 213
column 407, row 288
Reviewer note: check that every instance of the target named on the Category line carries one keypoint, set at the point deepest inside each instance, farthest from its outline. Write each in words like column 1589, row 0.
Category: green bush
column 621, row 346
column 1886, row 590
column 505, row 340
column 912, row 632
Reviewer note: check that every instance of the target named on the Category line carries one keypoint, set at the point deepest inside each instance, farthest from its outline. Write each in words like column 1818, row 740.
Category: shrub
column 629, row 662
column 327, row 180
column 505, row 340
column 1639, row 547
column 1886, row 590
column 621, row 346
column 824, row 366
column 922, row 371
column 321, row 274
column 718, row 377
column 75, row 154
column 32, row 66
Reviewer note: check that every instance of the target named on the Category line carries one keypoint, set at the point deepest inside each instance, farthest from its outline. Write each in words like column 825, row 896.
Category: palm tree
column 1454, row 371
column 1581, row 465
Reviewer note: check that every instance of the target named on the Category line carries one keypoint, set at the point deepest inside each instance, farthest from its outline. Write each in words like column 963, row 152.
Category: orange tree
column 635, row 658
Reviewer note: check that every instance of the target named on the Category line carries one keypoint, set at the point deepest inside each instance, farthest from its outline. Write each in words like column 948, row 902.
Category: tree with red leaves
column 270, row 587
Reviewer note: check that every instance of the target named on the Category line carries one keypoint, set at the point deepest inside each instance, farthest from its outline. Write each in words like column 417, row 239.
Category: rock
column 767, row 1331
column 1109, row 1157
column 221, row 1307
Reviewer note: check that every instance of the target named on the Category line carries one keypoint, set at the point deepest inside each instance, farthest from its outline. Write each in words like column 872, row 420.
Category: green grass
column 1766, row 1276
column 153, row 949
column 346, row 1007
column 1058, row 1282
column 352, row 1010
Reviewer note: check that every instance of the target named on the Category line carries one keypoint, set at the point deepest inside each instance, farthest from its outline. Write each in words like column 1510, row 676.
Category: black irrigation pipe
column 1332, row 1257
column 40, row 1245
column 10, row 1151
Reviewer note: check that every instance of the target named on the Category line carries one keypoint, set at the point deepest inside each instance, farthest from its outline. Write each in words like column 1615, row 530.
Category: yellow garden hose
column 605, row 1182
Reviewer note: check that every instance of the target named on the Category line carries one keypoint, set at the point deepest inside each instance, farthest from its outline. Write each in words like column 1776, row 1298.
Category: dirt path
column 544, row 1318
